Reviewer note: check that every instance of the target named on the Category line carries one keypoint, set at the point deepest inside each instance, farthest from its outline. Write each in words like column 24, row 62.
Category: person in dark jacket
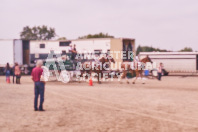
column 7, row 72
column 13, row 73
column 160, row 72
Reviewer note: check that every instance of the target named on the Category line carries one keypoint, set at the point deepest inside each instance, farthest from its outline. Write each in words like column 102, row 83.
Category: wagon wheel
column 46, row 73
column 64, row 76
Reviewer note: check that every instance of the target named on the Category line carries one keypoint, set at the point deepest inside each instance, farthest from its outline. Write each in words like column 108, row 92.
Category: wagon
column 62, row 69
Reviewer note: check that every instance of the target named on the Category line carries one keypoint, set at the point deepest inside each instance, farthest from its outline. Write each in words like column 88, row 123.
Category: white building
column 174, row 61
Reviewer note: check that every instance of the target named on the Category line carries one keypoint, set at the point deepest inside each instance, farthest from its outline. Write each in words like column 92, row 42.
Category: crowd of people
column 14, row 71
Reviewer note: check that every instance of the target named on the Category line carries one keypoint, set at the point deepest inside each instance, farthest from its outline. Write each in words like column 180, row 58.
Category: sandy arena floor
column 167, row 106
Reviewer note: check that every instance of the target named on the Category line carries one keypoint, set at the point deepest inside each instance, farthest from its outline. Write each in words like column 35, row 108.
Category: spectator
column 7, row 72
column 70, row 48
column 13, row 73
column 17, row 73
column 74, row 52
column 39, row 85
column 160, row 72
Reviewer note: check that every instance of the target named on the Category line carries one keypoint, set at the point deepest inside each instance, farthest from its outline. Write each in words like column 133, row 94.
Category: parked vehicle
column 12, row 51
column 26, row 52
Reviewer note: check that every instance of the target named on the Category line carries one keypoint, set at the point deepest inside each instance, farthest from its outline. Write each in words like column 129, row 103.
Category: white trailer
column 41, row 49
column 11, row 52
column 14, row 50
column 175, row 62
column 92, row 45
column 25, row 52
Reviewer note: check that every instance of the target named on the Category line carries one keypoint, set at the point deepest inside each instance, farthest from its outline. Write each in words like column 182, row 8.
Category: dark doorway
column 26, row 52
column 127, row 49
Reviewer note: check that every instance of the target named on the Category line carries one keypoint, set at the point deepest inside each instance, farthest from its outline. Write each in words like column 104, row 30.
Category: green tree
column 139, row 49
column 37, row 33
column 148, row 49
column 62, row 38
column 99, row 35
column 186, row 49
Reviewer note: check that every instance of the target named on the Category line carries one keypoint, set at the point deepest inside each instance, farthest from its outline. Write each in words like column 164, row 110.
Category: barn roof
column 168, row 53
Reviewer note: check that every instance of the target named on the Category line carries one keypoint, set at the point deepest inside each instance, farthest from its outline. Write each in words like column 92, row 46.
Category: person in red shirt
column 39, row 86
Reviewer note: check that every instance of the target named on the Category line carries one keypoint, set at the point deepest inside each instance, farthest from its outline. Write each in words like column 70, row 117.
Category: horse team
column 135, row 68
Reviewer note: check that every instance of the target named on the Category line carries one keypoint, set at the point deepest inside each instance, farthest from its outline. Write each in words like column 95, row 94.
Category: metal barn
column 175, row 62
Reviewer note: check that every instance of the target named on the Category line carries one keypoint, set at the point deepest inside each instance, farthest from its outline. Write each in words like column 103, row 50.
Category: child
column 7, row 72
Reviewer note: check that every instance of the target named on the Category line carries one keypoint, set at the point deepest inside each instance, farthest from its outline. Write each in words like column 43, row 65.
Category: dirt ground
column 170, row 105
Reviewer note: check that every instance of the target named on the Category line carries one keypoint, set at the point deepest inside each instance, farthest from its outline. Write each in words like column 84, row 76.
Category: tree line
column 151, row 49
column 45, row 33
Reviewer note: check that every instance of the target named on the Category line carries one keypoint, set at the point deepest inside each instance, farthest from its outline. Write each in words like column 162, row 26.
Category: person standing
column 13, row 73
column 160, row 71
column 17, row 73
column 70, row 48
column 7, row 72
column 73, row 52
column 39, row 86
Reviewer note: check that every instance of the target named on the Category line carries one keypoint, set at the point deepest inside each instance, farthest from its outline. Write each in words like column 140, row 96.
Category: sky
column 165, row 24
